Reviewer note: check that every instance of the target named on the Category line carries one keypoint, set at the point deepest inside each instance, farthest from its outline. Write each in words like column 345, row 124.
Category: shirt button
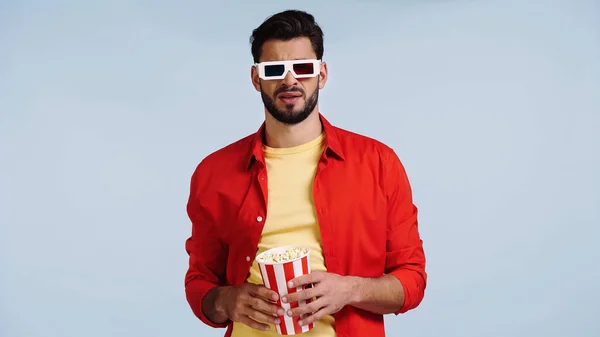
column 259, row 218
column 248, row 258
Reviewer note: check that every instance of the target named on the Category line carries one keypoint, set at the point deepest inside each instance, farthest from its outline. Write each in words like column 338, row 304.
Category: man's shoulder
column 227, row 158
column 370, row 154
column 354, row 142
column 237, row 151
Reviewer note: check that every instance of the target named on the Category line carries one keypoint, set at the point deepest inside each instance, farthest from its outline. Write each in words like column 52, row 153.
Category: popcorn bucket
column 277, row 267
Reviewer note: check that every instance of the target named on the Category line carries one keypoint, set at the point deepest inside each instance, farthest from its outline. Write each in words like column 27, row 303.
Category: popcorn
column 288, row 254
column 278, row 266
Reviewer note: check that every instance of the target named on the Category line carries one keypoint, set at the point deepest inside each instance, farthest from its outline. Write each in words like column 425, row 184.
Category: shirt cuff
column 413, row 285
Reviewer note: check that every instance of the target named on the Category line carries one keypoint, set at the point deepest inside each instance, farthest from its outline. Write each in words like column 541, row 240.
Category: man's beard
column 288, row 115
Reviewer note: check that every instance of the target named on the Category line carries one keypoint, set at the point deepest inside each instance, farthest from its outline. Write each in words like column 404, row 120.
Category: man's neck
column 279, row 135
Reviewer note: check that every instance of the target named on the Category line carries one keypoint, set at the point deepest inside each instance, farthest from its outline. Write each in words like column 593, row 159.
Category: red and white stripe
column 276, row 277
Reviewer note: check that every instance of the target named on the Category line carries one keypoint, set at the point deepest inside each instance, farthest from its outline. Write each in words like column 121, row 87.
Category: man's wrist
column 356, row 285
column 214, row 304
column 221, row 300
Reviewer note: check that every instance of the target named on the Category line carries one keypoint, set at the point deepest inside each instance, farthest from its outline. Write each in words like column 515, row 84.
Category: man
column 299, row 179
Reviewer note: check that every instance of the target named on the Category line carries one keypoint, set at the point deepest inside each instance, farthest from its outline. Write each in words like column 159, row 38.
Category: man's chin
column 291, row 109
column 289, row 117
column 296, row 106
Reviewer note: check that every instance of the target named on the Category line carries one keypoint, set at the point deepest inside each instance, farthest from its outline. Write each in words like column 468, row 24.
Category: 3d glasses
column 277, row 70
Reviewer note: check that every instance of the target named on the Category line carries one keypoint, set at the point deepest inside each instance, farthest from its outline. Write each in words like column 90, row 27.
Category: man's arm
column 382, row 295
column 402, row 288
column 213, row 301
column 207, row 259
column 405, row 257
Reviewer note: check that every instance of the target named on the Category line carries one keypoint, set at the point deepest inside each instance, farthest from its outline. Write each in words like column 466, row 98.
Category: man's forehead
column 280, row 50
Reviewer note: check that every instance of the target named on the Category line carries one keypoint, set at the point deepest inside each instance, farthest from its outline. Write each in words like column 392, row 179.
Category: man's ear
column 254, row 78
column 323, row 75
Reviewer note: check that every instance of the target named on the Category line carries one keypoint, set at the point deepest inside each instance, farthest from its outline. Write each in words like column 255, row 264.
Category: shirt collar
column 332, row 143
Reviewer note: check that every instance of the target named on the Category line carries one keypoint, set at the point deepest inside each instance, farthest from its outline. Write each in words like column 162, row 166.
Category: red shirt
column 364, row 207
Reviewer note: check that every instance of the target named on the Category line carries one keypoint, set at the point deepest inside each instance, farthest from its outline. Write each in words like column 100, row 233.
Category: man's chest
column 289, row 199
column 348, row 207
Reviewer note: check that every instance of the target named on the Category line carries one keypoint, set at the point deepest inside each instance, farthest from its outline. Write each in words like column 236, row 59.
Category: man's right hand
column 249, row 304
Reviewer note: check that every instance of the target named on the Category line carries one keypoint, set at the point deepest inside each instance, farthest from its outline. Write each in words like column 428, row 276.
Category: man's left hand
column 332, row 293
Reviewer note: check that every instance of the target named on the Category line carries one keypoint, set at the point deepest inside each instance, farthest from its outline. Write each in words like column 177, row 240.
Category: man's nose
column 290, row 80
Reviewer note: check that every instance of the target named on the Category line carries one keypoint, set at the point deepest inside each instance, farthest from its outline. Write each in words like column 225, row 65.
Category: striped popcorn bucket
column 277, row 267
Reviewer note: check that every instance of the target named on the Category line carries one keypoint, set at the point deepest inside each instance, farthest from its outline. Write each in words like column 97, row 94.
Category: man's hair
column 285, row 26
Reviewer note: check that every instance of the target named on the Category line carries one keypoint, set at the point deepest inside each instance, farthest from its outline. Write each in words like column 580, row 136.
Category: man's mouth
column 289, row 95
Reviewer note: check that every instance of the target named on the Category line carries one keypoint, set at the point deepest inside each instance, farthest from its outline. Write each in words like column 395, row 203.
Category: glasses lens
column 274, row 70
column 304, row 68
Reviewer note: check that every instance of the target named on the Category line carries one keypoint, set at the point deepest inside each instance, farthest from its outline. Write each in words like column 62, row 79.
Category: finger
column 314, row 317
column 266, row 307
column 260, row 316
column 252, row 323
column 264, row 292
column 308, row 308
column 313, row 277
column 301, row 295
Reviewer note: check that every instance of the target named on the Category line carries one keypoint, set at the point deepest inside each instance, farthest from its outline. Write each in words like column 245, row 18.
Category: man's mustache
column 288, row 89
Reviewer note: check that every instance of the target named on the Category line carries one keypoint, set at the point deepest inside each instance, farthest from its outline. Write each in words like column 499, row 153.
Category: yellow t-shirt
column 291, row 218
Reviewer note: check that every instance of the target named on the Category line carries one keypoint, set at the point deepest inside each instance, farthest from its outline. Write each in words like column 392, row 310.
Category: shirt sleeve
column 207, row 255
column 405, row 257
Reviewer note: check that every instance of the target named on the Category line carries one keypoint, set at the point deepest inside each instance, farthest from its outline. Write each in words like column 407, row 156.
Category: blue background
column 107, row 106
